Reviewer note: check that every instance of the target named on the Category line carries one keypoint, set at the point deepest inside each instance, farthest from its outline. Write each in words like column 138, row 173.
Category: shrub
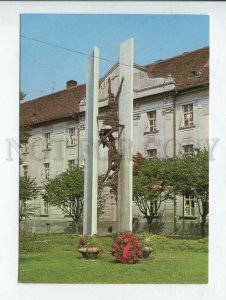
column 89, row 241
column 32, row 243
column 127, row 249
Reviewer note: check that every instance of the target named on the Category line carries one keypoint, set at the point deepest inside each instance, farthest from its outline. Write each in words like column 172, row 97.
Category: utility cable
column 71, row 50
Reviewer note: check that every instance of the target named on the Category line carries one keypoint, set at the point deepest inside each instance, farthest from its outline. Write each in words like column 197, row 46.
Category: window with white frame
column 152, row 120
column 189, row 205
column 47, row 140
column 72, row 208
column 71, row 163
column 46, row 170
column 152, row 153
column 188, row 114
column 25, row 171
column 188, row 149
column 46, row 208
column 71, row 133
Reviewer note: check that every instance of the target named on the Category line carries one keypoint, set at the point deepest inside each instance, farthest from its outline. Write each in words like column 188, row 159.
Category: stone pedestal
column 91, row 136
column 125, row 185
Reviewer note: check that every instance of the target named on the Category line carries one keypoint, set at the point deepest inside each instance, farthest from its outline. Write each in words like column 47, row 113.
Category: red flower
column 126, row 249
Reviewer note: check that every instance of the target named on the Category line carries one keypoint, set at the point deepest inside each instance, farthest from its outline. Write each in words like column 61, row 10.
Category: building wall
column 60, row 152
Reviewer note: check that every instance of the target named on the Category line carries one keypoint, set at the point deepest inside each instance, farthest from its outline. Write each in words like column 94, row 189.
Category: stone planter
column 146, row 251
column 89, row 253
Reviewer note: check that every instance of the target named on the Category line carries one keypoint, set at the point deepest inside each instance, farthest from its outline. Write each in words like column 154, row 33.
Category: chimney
column 71, row 83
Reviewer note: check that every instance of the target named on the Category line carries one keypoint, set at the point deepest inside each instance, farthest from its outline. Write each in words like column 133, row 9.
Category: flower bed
column 89, row 246
column 127, row 249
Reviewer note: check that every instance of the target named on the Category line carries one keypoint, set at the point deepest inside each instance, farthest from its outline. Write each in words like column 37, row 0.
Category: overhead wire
column 71, row 50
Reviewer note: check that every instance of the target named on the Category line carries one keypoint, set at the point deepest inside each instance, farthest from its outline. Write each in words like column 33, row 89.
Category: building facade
column 171, row 115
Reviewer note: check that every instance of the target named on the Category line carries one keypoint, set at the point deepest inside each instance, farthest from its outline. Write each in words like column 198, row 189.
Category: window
column 46, row 170
column 71, row 132
column 72, row 208
column 47, row 140
column 152, row 153
column 71, row 163
column 25, row 171
column 26, row 148
column 189, row 205
column 188, row 114
column 46, row 208
column 152, row 120
column 188, row 149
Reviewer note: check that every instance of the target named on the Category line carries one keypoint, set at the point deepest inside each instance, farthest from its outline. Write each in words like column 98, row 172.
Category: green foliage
column 156, row 180
column 101, row 197
column 27, row 193
column 185, row 264
column 25, row 128
column 160, row 242
column 87, row 241
column 32, row 243
column 66, row 191
column 145, row 239
column 190, row 174
column 25, row 133
column 149, row 186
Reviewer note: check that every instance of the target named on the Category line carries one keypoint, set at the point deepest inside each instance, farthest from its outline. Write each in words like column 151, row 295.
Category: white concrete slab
column 125, row 184
column 91, row 136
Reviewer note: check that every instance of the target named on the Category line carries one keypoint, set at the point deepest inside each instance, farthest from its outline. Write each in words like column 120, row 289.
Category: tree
column 201, row 185
column 149, row 189
column 28, row 192
column 25, row 128
column 66, row 191
column 189, row 174
column 101, row 196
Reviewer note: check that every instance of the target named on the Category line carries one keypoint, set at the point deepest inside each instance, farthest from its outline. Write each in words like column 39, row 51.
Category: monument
column 116, row 135
column 125, row 176
column 91, row 136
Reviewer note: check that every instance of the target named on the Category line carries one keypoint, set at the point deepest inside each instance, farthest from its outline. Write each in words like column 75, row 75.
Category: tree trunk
column 205, row 211
column 203, row 223
column 149, row 222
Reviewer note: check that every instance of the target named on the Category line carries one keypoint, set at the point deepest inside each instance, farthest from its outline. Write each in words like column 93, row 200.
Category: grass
column 54, row 259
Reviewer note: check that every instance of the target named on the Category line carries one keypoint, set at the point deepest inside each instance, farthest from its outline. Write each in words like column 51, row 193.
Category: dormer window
column 195, row 73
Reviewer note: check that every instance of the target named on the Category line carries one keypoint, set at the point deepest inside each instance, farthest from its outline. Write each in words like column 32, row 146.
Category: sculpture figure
column 106, row 134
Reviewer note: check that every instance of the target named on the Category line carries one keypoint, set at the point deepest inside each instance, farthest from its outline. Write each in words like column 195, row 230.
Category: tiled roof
column 54, row 106
column 188, row 70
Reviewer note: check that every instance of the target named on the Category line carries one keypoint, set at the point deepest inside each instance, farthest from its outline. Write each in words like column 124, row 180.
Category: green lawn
column 57, row 261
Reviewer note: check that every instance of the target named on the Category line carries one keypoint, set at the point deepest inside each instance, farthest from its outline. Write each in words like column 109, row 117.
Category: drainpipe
column 183, row 233
column 174, row 156
column 78, row 152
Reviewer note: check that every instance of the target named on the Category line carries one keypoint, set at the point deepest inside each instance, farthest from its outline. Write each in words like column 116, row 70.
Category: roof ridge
column 173, row 57
column 50, row 94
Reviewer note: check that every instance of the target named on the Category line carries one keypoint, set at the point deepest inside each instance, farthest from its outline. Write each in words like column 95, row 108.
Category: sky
column 45, row 69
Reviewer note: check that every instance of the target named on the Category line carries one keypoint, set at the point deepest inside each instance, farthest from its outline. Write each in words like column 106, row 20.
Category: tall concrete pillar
column 125, row 183
column 91, row 135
